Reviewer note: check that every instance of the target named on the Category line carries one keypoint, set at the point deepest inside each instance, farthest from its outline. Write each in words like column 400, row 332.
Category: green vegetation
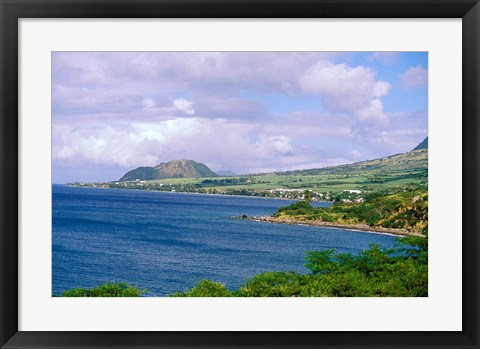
column 397, row 171
column 106, row 290
column 405, row 209
column 206, row 288
column 398, row 272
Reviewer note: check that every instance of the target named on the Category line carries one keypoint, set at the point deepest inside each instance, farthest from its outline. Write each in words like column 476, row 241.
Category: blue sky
column 240, row 111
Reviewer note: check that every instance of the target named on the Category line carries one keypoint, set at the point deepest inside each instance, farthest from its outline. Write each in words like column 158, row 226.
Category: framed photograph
column 239, row 174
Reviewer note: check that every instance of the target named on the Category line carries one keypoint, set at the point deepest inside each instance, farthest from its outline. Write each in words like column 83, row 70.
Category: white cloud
column 138, row 144
column 147, row 144
column 381, row 88
column 343, row 88
column 277, row 145
column 218, row 142
column 167, row 130
column 414, row 77
column 354, row 91
column 184, row 105
column 373, row 112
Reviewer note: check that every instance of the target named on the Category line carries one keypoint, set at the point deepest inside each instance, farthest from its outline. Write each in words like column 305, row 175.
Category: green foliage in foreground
column 106, row 290
column 376, row 272
column 206, row 288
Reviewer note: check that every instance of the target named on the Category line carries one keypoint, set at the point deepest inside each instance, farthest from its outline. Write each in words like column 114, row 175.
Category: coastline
column 292, row 221
column 187, row 192
column 355, row 227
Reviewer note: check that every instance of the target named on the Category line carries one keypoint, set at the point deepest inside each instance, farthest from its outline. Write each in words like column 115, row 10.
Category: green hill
column 412, row 161
column 172, row 169
column 396, row 171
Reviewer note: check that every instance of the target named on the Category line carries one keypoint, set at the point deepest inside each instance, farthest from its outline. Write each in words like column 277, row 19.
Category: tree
column 307, row 195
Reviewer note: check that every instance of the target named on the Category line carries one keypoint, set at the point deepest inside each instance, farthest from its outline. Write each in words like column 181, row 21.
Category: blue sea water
column 167, row 242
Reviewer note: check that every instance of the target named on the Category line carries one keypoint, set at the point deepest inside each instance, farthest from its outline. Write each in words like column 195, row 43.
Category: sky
column 247, row 112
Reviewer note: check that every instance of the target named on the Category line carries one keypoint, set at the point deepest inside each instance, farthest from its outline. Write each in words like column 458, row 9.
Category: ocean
column 166, row 242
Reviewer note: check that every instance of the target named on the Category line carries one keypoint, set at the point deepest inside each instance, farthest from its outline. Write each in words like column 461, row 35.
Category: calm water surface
column 167, row 242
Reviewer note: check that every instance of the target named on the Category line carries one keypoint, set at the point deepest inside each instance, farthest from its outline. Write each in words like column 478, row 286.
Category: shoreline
column 186, row 192
column 354, row 227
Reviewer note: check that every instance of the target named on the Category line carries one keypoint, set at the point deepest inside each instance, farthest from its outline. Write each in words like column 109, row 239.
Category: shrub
column 205, row 288
column 273, row 284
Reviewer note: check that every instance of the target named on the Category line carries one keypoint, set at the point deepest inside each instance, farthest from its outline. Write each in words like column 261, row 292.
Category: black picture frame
column 13, row 10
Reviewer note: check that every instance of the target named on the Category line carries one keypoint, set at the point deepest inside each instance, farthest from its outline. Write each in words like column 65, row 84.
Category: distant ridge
column 422, row 145
column 412, row 160
column 226, row 173
column 172, row 169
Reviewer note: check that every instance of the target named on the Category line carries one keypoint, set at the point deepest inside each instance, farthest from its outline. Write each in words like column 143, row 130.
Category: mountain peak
column 173, row 169
column 422, row 145
column 226, row 173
